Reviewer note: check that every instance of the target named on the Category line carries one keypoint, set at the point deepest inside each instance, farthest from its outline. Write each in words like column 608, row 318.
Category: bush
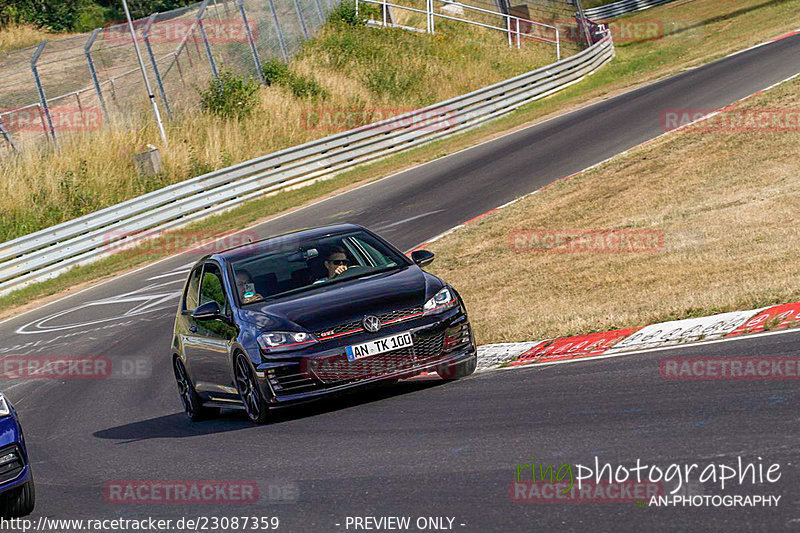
column 392, row 81
column 77, row 15
column 345, row 13
column 306, row 87
column 230, row 96
column 57, row 15
column 276, row 72
column 90, row 17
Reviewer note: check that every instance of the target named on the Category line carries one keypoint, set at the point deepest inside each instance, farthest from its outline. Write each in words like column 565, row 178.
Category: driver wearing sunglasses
column 336, row 262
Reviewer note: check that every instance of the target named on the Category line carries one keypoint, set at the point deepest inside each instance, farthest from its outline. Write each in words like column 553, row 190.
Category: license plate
column 378, row 346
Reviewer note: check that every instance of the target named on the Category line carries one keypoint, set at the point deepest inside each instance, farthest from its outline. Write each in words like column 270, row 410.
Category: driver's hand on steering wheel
column 339, row 270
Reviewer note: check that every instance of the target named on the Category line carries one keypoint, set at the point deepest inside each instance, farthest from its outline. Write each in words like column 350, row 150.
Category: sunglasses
column 339, row 262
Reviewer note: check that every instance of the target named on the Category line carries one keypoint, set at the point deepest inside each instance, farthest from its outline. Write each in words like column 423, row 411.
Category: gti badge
column 371, row 323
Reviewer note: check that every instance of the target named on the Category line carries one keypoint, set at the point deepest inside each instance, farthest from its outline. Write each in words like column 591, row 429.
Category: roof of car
column 249, row 249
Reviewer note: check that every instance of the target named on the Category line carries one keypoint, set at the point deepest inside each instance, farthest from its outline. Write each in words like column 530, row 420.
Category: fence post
column 508, row 30
column 516, row 20
column 146, row 38
column 7, row 137
column 253, row 49
column 87, row 51
column 583, row 21
column 40, row 90
column 321, row 12
column 207, row 45
column 383, row 13
column 278, row 30
column 299, row 11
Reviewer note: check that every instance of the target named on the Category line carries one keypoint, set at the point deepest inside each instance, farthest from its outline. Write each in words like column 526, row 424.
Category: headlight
column 445, row 299
column 282, row 341
column 5, row 408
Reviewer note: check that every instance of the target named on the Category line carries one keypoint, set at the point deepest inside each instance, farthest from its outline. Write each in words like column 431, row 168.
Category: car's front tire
column 249, row 390
column 18, row 502
column 458, row 370
column 192, row 403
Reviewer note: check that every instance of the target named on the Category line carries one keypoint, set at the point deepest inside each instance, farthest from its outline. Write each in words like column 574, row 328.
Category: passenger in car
column 246, row 287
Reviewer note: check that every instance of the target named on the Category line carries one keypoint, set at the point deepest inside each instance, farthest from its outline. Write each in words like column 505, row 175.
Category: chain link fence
column 85, row 81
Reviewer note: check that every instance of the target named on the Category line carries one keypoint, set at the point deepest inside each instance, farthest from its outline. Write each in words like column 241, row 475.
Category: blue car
column 17, row 495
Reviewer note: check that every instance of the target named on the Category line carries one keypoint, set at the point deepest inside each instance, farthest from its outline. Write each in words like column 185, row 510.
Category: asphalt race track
column 420, row 448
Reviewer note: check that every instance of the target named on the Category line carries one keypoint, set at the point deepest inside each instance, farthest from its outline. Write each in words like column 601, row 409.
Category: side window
column 192, row 291
column 211, row 288
column 375, row 257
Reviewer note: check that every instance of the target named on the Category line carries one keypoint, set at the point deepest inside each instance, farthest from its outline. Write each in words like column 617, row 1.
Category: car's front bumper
column 11, row 477
column 328, row 372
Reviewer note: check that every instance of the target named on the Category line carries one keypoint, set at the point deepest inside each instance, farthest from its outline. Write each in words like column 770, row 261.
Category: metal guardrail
column 622, row 7
column 47, row 253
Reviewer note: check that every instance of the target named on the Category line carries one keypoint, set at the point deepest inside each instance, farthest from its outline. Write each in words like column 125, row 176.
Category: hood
column 328, row 306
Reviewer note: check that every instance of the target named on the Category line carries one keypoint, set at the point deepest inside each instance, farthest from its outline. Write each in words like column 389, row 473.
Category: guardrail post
column 40, row 90
column 87, row 51
column 211, row 62
column 299, row 12
column 251, row 42
column 558, row 45
column 278, row 31
column 146, row 38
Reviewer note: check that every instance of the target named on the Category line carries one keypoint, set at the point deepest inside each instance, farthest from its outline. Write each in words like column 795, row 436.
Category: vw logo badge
column 371, row 323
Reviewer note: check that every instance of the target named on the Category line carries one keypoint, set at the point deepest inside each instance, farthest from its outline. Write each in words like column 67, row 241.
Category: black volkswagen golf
column 310, row 313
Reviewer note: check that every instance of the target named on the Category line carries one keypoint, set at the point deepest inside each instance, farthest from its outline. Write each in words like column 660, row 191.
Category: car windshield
column 290, row 266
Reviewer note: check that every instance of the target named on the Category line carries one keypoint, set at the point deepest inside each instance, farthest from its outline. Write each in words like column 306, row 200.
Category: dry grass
column 16, row 36
column 725, row 201
column 359, row 67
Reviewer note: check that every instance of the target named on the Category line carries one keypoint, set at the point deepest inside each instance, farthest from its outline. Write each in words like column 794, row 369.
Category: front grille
column 355, row 326
column 319, row 374
column 11, row 463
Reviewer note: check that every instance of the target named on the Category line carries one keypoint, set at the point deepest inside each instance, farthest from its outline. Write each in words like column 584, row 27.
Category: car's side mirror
column 422, row 257
column 207, row 311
